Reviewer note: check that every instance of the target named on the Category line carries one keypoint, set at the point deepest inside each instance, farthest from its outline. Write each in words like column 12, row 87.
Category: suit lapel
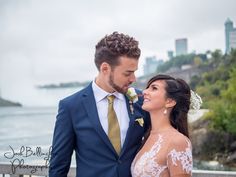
column 91, row 108
column 131, row 125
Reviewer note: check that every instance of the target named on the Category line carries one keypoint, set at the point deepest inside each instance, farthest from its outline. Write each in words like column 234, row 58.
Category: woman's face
column 155, row 96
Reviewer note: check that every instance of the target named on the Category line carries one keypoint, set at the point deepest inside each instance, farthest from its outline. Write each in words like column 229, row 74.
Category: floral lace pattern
column 146, row 165
column 185, row 157
column 178, row 160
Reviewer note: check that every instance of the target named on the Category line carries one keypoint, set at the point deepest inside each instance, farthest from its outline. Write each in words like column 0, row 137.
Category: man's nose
column 132, row 78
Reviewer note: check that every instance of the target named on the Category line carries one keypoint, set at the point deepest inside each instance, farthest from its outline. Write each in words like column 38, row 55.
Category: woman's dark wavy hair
column 178, row 90
column 112, row 46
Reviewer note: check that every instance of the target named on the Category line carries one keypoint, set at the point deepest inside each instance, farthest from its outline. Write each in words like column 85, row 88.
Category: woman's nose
column 145, row 92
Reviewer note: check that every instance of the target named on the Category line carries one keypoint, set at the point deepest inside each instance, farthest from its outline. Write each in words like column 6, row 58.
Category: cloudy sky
column 51, row 41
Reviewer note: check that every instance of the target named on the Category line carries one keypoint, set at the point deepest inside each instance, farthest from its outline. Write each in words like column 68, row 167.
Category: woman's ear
column 170, row 103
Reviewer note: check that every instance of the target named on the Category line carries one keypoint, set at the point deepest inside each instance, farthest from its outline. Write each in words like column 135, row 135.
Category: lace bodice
column 164, row 154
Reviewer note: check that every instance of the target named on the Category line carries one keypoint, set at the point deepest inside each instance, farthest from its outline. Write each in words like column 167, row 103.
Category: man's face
column 122, row 76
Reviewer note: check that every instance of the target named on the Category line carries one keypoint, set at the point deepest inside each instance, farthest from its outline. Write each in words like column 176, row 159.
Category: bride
column 167, row 150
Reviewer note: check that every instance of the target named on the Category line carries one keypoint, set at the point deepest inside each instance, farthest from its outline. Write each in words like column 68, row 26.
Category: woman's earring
column 165, row 111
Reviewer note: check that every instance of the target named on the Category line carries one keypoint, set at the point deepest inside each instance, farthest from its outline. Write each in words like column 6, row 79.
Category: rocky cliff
column 212, row 145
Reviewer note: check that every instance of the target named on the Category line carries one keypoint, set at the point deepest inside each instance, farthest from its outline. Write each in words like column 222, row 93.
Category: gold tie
column 113, row 125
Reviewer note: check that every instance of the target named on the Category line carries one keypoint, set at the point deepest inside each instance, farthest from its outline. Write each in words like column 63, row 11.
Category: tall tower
column 228, row 28
column 181, row 46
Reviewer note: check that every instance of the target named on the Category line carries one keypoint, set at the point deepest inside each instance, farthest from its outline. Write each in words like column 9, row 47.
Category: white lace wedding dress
column 164, row 154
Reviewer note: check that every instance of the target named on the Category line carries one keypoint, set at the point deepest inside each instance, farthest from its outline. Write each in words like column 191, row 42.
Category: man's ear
column 105, row 68
column 170, row 103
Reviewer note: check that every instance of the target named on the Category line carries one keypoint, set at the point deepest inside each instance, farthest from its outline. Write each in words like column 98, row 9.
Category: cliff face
column 212, row 145
column 4, row 103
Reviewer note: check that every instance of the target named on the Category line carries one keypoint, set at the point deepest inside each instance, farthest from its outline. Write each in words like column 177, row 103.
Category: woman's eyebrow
column 154, row 85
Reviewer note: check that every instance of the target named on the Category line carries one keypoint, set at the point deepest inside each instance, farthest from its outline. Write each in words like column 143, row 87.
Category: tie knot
column 110, row 99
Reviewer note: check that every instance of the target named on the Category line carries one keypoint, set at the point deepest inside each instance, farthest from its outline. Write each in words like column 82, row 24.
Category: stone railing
column 33, row 171
column 29, row 170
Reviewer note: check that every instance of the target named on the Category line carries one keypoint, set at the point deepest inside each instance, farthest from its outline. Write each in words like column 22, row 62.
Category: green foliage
column 197, row 61
column 194, row 81
column 217, row 86
column 178, row 61
column 218, row 91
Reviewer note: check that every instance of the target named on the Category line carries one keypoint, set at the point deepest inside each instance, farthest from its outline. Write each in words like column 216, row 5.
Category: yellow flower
column 140, row 121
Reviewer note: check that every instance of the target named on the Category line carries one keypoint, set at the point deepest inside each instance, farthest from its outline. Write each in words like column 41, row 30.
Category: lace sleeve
column 179, row 159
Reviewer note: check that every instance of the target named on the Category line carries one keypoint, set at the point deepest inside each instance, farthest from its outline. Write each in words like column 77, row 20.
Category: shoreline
column 7, row 103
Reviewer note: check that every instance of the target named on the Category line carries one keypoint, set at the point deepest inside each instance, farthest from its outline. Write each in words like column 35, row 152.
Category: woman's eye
column 154, row 88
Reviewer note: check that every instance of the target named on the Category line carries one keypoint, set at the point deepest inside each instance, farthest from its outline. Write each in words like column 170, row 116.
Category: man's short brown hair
column 112, row 46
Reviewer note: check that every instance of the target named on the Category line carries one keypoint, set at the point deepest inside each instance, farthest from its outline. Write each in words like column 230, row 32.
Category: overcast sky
column 51, row 41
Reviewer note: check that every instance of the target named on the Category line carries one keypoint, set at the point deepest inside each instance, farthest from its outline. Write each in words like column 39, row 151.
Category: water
column 28, row 130
column 25, row 128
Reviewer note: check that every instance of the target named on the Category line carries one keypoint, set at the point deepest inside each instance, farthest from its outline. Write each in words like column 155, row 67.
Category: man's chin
column 125, row 89
column 122, row 90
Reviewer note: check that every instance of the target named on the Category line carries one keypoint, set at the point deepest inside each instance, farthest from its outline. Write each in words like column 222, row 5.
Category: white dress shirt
column 119, row 107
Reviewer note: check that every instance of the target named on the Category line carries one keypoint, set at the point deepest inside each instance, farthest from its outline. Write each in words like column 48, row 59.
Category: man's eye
column 127, row 74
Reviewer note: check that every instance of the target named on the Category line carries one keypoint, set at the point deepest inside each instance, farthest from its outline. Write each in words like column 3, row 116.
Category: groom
column 100, row 123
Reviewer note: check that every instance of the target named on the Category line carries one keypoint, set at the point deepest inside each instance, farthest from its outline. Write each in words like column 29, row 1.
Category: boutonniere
column 140, row 121
column 133, row 98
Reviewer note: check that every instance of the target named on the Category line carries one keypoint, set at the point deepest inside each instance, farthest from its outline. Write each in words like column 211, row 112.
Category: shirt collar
column 100, row 94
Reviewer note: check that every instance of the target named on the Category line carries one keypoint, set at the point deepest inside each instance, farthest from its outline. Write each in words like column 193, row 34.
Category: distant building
column 230, row 36
column 170, row 54
column 181, row 46
column 184, row 67
column 151, row 64
column 232, row 41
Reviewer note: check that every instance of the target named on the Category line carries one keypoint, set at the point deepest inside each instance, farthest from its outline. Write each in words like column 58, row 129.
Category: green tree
column 218, row 89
